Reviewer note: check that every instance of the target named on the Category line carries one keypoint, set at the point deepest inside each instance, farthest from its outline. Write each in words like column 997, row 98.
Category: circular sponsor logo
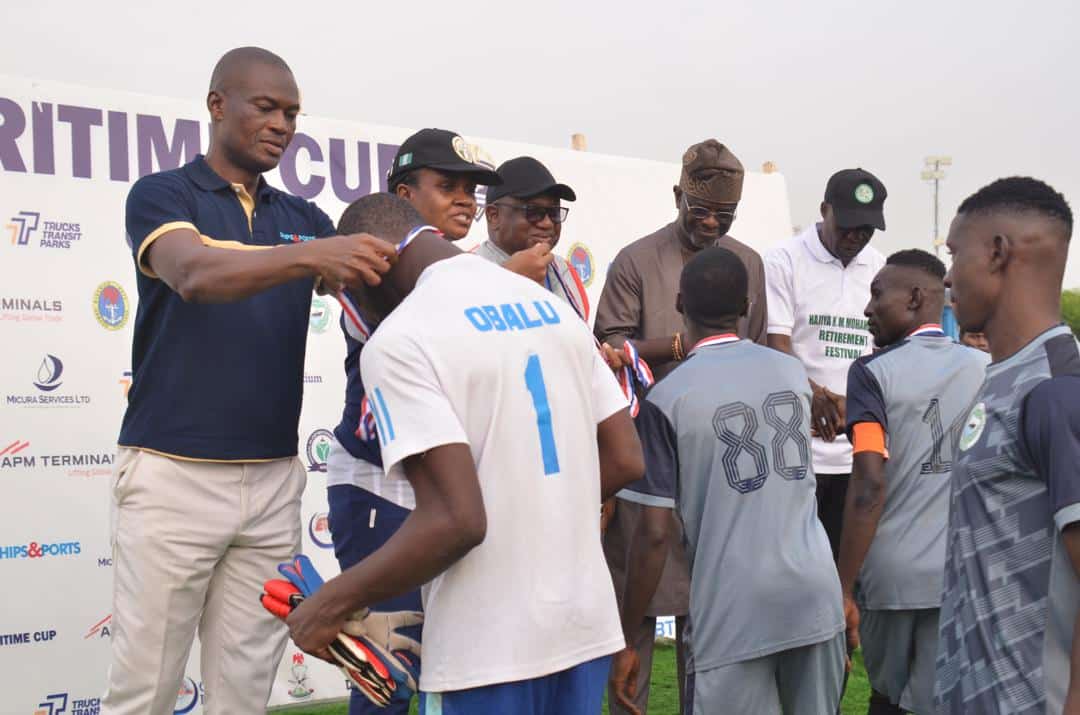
column 580, row 257
column 111, row 305
column 187, row 698
column 318, row 530
column 974, row 426
column 321, row 315
column 864, row 193
column 318, row 449
column 461, row 148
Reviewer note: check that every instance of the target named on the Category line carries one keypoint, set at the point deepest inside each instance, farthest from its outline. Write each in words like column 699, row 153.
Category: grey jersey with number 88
column 727, row 442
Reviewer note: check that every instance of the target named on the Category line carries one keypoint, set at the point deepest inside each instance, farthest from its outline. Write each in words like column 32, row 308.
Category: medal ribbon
column 721, row 339
column 637, row 373
column 932, row 329
column 355, row 325
column 359, row 330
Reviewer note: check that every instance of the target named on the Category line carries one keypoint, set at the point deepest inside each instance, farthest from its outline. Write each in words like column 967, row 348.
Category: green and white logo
column 321, row 315
column 318, row 449
column 973, row 428
column 864, row 194
column 405, row 159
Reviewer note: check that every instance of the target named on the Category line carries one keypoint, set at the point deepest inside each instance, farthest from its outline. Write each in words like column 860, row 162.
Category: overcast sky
column 814, row 87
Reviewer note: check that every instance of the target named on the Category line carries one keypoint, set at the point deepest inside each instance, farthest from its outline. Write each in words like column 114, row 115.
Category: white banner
column 67, row 299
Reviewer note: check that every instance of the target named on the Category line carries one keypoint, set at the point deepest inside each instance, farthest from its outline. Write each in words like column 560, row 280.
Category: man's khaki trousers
column 193, row 543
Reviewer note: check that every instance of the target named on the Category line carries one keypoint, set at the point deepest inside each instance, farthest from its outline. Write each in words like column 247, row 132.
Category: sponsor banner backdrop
column 68, row 156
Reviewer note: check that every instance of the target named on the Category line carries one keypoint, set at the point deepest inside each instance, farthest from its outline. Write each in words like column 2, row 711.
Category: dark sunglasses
column 535, row 214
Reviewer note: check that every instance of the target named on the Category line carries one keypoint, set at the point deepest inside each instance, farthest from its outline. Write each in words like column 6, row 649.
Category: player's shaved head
column 235, row 64
column 1022, row 196
column 925, row 271
column 1009, row 242
column 386, row 216
column 713, row 288
column 919, row 261
column 908, row 292
column 390, row 217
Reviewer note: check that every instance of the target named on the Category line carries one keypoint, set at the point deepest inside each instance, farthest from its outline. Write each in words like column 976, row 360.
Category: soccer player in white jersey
column 493, row 399
column 435, row 172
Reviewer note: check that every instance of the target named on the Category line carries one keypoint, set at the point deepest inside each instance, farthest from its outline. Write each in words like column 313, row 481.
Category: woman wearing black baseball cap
column 437, row 172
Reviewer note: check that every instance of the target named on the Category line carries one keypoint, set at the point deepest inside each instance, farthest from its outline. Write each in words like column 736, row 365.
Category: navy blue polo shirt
column 217, row 382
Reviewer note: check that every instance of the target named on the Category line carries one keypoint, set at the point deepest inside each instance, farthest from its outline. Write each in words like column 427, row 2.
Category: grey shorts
column 899, row 649
column 800, row 681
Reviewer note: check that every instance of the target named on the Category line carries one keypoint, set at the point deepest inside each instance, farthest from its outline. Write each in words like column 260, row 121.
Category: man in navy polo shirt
column 207, row 488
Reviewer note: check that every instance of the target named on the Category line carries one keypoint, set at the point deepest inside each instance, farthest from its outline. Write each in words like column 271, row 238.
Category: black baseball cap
column 525, row 177
column 443, row 150
column 857, row 198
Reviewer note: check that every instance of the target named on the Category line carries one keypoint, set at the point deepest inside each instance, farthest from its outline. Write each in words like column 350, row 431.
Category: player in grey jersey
column 903, row 405
column 727, row 443
column 1008, row 614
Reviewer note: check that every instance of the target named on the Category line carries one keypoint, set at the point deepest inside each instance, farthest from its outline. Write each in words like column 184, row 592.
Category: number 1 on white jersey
column 534, row 382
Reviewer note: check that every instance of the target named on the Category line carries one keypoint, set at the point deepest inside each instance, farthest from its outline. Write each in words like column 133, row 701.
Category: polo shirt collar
column 820, row 253
column 494, row 248
column 207, row 179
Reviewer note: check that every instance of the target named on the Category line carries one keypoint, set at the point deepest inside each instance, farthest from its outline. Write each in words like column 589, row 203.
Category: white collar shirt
column 819, row 303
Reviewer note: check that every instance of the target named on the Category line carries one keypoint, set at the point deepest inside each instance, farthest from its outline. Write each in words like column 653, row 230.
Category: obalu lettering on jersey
column 512, row 316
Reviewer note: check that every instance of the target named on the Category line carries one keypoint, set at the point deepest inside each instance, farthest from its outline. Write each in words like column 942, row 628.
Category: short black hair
column 920, row 260
column 383, row 215
column 714, row 286
column 410, row 177
column 1020, row 194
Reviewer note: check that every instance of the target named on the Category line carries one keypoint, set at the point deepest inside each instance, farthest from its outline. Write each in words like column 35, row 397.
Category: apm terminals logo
column 11, row 456
column 101, row 629
column 25, row 308
column 79, row 464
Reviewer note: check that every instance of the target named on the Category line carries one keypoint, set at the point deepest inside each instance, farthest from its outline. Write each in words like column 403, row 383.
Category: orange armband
column 869, row 437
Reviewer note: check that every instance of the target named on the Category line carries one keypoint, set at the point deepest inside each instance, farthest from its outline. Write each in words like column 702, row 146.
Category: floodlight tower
column 933, row 171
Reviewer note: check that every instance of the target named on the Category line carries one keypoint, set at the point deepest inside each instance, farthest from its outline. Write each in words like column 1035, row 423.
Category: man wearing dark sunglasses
column 525, row 217
column 638, row 305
